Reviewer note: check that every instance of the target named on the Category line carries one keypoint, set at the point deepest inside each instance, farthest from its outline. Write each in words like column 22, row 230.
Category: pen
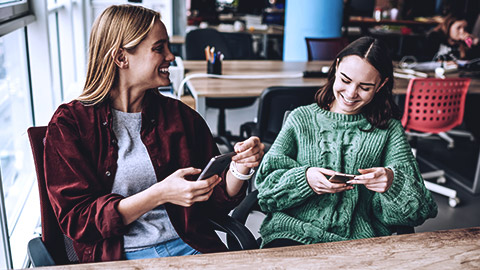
column 207, row 53
column 212, row 50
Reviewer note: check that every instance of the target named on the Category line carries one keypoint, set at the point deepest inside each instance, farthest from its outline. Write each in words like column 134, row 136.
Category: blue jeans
column 174, row 247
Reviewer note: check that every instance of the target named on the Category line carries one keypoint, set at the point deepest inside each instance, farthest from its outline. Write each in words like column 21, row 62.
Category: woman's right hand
column 319, row 183
column 177, row 190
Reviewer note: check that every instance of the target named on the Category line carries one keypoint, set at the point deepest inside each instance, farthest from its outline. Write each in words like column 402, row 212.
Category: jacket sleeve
column 407, row 201
column 281, row 180
column 86, row 212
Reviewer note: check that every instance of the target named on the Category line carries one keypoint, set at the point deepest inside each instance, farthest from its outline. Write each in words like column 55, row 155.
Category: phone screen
column 216, row 165
column 341, row 177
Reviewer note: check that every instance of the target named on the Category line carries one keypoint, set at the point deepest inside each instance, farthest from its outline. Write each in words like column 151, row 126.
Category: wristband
column 238, row 175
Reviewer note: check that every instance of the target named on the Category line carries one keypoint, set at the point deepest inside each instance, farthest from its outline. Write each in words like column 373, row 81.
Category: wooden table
column 202, row 88
column 211, row 87
column 452, row 249
column 369, row 21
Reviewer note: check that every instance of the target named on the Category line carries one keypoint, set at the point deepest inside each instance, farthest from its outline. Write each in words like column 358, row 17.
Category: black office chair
column 324, row 48
column 54, row 248
column 234, row 46
column 274, row 102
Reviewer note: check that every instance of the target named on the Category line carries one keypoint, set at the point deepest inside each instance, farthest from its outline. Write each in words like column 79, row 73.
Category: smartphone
column 341, row 178
column 216, row 165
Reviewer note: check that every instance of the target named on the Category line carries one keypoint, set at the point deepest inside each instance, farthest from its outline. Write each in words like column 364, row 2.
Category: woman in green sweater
column 352, row 128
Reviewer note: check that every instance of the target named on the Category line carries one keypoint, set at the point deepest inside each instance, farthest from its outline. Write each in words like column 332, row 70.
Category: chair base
column 453, row 200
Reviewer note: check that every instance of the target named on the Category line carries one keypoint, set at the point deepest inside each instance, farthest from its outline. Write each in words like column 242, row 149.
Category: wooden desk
column 368, row 22
column 177, row 40
column 452, row 249
column 209, row 87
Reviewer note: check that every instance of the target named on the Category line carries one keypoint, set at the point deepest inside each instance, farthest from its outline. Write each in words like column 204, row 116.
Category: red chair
column 435, row 106
column 53, row 247
column 324, row 48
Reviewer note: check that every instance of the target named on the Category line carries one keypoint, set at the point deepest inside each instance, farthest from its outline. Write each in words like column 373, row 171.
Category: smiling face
column 148, row 63
column 356, row 83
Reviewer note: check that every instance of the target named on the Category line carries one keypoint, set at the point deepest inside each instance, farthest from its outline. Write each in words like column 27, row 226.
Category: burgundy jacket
column 81, row 161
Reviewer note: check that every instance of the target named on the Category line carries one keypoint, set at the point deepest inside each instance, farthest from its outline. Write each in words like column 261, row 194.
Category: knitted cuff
column 302, row 183
column 397, row 184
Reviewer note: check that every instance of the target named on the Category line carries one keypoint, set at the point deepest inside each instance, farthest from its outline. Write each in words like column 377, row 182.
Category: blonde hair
column 118, row 27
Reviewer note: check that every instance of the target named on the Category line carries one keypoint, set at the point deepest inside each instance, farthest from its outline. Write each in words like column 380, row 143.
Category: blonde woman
column 119, row 158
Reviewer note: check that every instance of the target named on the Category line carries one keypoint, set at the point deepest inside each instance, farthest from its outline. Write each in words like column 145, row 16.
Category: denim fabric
column 174, row 247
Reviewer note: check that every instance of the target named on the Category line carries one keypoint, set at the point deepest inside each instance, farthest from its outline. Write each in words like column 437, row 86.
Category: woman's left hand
column 377, row 179
column 249, row 153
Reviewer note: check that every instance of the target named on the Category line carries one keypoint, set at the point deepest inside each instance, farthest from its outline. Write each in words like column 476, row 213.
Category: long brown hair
column 444, row 27
column 119, row 26
column 382, row 108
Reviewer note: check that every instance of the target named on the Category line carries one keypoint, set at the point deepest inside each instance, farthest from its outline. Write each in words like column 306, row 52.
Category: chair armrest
column 248, row 129
column 248, row 204
column 224, row 141
column 241, row 237
column 38, row 253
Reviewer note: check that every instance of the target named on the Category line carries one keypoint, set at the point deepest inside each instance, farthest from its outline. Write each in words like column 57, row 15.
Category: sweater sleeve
column 85, row 212
column 407, row 202
column 281, row 179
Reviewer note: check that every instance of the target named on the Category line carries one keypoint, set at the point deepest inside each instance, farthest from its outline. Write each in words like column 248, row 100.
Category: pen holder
column 214, row 68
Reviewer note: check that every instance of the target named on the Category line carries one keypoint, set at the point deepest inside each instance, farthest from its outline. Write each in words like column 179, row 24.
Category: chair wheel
column 441, row 180
column 453, row 201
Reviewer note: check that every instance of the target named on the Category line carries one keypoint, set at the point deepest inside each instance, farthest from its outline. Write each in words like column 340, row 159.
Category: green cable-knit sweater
column 313, row 137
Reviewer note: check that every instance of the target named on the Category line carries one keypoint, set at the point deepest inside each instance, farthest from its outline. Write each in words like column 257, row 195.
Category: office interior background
column 43, row 47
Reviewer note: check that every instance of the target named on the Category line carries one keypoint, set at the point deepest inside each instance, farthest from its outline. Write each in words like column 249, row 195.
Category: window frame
column 14, row 15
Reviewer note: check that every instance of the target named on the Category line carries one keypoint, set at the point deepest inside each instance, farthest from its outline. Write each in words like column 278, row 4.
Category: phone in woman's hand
column 340, row 178
column 216, row 165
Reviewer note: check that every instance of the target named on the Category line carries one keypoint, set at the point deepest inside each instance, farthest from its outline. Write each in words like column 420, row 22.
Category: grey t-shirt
column 135, row 173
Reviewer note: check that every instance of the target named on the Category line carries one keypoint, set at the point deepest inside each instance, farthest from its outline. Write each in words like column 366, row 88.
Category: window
column 42, row 58
column 15, row 117
column 13, row 9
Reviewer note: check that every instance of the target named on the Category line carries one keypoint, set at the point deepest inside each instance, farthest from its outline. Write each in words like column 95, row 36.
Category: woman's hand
column 319, row 183
column 249, row 154
column 377, row 179
column 177, row 190
column 173, row 189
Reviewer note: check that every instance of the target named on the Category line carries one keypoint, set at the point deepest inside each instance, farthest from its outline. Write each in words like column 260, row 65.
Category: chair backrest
column 240, row 45
column 234, row 46
column 59, row 246
column 273, row 104
column 197, row 39
column 324, row 48
column 435, row 105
